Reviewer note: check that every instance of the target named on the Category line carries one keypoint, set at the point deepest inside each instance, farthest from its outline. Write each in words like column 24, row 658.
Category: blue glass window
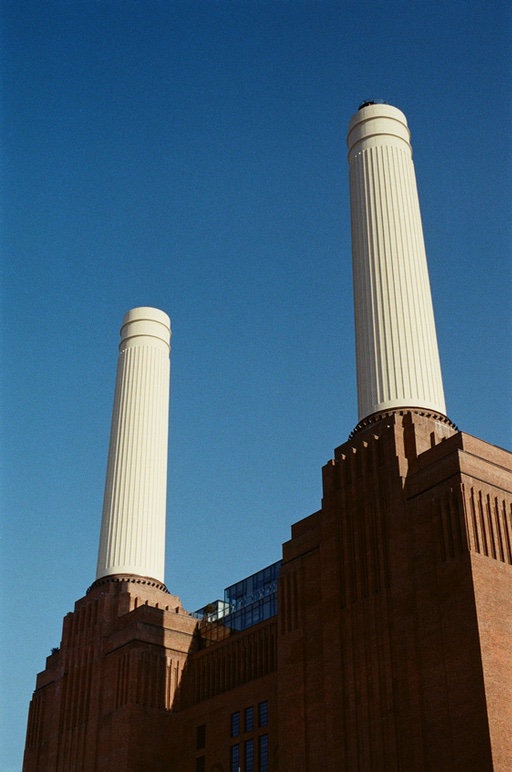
column 263, row 753
column 253, row 599
column 235, row 758
column 249, row 756
column 235, row 724
column 263, row 714
column 249, row 719
column 245, row 603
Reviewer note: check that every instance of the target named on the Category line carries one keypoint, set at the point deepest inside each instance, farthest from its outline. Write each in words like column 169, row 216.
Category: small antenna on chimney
column 368, row 102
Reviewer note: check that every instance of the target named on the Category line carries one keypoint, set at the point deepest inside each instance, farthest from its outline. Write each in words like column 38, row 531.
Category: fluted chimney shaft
column 132, row 539
column 396, row 345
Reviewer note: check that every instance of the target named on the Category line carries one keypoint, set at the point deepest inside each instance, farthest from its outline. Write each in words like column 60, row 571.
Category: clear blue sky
column 191, row 156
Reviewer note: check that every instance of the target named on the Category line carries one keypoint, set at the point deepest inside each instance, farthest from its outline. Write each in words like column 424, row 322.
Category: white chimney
column 132, row 539
column 396, row 345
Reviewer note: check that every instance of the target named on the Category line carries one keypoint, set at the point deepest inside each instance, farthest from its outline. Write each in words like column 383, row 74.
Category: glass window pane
column 235, row 758
column 263, row 713
column 249, row 756
column 263, row 753
column 249, row 719
column 235, row 724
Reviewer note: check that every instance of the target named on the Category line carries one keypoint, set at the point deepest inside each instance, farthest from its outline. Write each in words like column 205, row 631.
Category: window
column 200, row 764
column 235, row 758
column 249, row 719
column 263, row 753
column 200, row 737
column 263, row 714
column 235, row 724
column 243, row 755
column 249, row 756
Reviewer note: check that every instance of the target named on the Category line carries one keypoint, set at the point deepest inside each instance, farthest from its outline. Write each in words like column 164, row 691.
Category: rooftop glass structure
column 246, row 603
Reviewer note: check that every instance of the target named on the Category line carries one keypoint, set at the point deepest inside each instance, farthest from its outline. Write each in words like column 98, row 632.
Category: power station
column 382, row 639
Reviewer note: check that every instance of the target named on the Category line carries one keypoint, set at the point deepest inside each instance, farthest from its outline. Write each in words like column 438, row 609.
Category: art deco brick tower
column 105, row 698
column 395, row 612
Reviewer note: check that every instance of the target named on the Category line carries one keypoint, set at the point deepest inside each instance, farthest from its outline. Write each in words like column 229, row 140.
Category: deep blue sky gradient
column 191, row 156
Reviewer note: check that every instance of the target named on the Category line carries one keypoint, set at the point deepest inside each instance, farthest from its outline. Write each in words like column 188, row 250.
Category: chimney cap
column 143, row 322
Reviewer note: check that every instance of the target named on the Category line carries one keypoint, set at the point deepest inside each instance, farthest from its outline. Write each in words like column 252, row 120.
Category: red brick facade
column 396, row 650
column 391, row 649
column 104, row 701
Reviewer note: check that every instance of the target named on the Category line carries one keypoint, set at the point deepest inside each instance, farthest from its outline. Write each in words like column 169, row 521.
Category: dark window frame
column 200, row 737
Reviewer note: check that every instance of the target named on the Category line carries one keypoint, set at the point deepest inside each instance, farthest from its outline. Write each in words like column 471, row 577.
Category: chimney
column 132, row 540
column 396, row 346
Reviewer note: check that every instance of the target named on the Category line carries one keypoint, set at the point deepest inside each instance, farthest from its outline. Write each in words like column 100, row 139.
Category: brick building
column 382, row 639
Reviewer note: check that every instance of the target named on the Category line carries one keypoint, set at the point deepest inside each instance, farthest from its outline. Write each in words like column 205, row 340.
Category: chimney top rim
column 146, row 313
